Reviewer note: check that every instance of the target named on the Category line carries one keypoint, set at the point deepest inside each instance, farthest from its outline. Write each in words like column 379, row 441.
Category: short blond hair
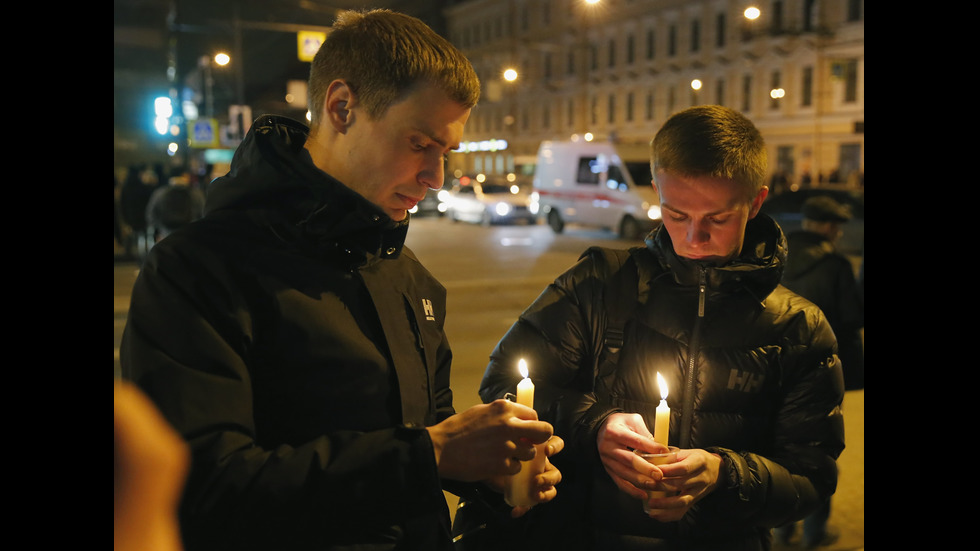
column 711, row 140
column 382, row 55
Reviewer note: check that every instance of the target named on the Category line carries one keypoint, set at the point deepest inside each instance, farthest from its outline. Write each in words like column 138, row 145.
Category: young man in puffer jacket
column 753, row 381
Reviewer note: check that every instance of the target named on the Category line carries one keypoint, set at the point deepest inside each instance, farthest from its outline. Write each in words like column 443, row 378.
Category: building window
column 547, row 65
column 720, row 30
column 746, row 93
column 806, row 100
column 854, row 9
column 720, row 91
column 649, row 106
column 630, row 49
column 777, row 17
column 850, row 80
column 612, row 53
column 594, row 115
column 570, row 69
column 629, row 107
column 773, row 99
column 671, row 101
column 695, row 35
column 809, row 15
column 651, row 44
column 611, row 116
column 672, row 40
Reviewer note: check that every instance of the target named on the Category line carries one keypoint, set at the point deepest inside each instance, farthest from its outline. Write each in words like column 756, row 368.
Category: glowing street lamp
column 751, row 13
column 510, row 75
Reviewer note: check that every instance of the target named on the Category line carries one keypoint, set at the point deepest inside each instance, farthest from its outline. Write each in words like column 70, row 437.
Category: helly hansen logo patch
column 427, row 308
column 745, row 382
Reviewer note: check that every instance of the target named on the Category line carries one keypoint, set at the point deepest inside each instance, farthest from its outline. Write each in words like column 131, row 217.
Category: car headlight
column 502, row 209
column 444, row 195
column 653, row 213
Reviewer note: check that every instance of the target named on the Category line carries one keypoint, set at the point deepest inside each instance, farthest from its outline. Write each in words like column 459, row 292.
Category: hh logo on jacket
column 427, row 308
column 745, row 382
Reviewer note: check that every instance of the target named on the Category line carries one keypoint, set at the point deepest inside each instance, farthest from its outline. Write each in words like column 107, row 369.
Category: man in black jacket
column 818, row 271
column 749, row 368
column 294, row 341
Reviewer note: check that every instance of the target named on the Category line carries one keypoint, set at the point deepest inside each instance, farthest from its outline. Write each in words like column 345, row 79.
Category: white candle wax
column 661, row 427
column 518, row 493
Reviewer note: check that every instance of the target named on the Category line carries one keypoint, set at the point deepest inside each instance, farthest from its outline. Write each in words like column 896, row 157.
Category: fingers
column 555, row 445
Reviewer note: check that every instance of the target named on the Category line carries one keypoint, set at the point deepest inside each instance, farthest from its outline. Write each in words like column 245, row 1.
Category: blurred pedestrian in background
column 751, row 379
column 295, row 341
column 140, row 183
column 173, row 206
column 117, row 225
column 818, row 272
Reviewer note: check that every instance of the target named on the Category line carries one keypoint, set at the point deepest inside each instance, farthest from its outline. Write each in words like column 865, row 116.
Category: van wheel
column 629, row 228
column 555, row 221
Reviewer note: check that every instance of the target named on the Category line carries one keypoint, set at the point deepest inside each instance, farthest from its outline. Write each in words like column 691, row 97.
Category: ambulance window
column 588, row 172
column 615, row 179
column 640, row 171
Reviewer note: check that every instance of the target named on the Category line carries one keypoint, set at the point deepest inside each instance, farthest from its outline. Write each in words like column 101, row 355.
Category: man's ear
column 757, row 202
column 338, row 103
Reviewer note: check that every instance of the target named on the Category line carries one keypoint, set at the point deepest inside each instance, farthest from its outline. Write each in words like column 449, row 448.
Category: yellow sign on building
column 308, row 43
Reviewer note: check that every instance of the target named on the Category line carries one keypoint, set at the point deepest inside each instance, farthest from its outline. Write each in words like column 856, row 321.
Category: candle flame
column 522, row 367
column 662, row 384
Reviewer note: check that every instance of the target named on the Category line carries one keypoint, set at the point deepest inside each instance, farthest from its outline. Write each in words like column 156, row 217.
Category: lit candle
column 525, row 388
column 662, row 426
column 518, row 493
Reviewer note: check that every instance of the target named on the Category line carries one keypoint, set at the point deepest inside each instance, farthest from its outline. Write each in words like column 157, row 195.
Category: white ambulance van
column 588, row 183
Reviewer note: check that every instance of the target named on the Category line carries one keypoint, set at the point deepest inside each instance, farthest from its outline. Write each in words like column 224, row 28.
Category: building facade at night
column 619, row 68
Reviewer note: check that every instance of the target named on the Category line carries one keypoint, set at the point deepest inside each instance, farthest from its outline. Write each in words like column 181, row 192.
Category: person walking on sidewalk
column 298, row 345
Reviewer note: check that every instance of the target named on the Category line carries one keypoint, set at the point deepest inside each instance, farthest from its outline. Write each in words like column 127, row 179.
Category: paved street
column 503, row 270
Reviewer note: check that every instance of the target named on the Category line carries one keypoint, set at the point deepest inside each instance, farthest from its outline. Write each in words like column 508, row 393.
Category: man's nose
column 697, row 233
column 433, row 173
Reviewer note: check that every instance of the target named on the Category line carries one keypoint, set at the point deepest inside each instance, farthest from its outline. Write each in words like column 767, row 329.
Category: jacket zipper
column 687, row 411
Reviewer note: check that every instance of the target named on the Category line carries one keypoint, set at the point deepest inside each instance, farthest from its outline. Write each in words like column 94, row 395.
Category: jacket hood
column 272, row 173
column 809, row 249
column 758, row 269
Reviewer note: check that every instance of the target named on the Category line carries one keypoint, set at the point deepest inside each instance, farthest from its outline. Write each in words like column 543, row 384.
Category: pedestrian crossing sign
column 203, row 133
column 309, row 44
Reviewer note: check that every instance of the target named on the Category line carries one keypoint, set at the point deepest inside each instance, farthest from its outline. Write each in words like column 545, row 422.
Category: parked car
column 491, row 202
column 785, row 208
column 435, row 203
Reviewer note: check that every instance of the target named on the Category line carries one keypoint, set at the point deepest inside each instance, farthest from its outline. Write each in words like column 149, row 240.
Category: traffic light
column 163, row 109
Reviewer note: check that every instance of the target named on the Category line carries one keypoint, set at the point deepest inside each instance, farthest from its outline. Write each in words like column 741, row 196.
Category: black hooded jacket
column 752, row 375
column 816, row 270
column 298, row 346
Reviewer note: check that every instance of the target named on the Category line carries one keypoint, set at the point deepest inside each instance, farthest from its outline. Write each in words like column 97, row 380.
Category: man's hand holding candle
column 487, row 440
column 618, row 436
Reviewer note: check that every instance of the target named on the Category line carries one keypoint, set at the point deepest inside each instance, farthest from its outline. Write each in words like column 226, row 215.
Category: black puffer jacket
column 298, row 346
column 751, row 372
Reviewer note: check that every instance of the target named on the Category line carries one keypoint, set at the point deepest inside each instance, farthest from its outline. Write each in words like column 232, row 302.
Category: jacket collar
column 271, row 172
column 757, row 269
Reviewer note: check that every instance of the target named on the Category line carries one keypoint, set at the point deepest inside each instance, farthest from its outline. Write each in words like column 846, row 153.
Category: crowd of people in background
column 152, row 201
